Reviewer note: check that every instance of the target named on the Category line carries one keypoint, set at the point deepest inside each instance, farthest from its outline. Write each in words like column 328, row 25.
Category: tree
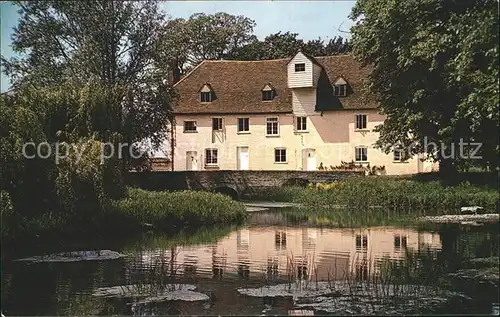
column 286, row 45
column 435, row 74
column 337, row 45
column 314, row 48
column 189, row 42
column 106, row 53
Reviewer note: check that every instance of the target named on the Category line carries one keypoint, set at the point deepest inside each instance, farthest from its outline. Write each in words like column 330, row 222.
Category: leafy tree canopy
column 283, row 45
column 102, row 58
column 435, row 73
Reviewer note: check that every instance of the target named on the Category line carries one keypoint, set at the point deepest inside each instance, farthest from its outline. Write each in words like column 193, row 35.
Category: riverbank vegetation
column 387, row 196
column 164, row 210
column 138, row 210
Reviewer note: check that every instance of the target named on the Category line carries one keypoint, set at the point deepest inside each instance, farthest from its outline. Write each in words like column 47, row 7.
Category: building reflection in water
column 242, row 247
column 277, row 252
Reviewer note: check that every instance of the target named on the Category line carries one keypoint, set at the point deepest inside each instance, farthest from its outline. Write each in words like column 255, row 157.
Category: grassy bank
column 165, row 210
column 138, row 210
column 346, row 218
column 391, row 195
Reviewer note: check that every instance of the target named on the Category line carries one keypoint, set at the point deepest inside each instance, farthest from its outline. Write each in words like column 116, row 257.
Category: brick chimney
column 174, row 73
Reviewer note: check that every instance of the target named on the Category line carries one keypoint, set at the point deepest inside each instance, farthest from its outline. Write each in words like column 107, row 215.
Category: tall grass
column 138, row 210
column 165, row 210
column 393, row 195
column 347, row 218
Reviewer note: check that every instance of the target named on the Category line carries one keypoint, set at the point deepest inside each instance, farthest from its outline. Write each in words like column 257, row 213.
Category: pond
column 271, row 265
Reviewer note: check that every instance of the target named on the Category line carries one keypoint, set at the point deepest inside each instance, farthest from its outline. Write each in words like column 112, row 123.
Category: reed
column 390, row 194
column 167, row 210
column 139, row 210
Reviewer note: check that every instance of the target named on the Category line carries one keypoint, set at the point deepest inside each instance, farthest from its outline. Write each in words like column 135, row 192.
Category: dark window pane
column 206, row 97
column 267, row 95
column 189, row 125
column 300, row 67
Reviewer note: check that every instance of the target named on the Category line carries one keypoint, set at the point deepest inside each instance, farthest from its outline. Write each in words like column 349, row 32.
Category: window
column 361, row 242
column 267, row 95
column 216, row 124
column 300, row 67
column 302, row 271
column 399, row 242
column 362, row 270
column 301, row 124
column 360, row 121
column 272, row 126
column 280, row 240
column 340, row 90
column 206, row 96
column 243, row 124
column 189, row 126
column 397, row 155
column 361, row 154
column 211, row 157
column 279, row 155
column 273, row 265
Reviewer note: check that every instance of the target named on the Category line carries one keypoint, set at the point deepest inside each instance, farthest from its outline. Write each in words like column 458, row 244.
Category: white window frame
column 190, row 131
column 299, row 127
column 360, row 148
column 340, row 90
column 286, row 155
column 221, row 123
column 273, row 120
column 248, row 125
column 356, row 122
column 212, row 151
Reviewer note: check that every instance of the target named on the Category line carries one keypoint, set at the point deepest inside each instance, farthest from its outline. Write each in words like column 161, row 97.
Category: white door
column 243, row 158
column 191, row 161
column 311, row 160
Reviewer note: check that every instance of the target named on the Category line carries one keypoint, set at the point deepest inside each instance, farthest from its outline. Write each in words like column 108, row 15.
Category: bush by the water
column 397, row 194
column 182, row 208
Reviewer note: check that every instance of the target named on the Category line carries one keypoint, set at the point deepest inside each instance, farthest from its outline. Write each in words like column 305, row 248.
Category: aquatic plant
column 390, row 194
column 167, row 210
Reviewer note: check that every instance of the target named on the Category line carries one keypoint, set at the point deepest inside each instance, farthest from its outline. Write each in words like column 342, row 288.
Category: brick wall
column 243, row 182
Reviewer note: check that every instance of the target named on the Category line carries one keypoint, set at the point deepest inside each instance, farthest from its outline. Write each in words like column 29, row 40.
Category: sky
column 310, row 19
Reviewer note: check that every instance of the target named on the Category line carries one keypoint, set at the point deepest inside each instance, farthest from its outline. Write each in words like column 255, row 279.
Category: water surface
column 267, row 250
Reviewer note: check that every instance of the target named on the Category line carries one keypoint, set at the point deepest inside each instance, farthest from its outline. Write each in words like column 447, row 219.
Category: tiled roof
column 237, row 86
column 356, row 77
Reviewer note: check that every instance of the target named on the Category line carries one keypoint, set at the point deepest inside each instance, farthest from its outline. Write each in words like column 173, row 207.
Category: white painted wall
column 260, row 146
column 300, row 79
column 304, row 102
column 332, row 136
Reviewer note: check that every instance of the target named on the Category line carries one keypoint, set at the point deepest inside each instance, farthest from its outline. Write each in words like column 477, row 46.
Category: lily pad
column 148, row 293
column 363, row 298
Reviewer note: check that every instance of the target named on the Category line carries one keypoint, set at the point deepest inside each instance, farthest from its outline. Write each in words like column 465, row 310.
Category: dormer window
column 340, row 87
column 206, row 96
column 340, row 90
column 301, row 67
column 206, row 93
column 268, row 92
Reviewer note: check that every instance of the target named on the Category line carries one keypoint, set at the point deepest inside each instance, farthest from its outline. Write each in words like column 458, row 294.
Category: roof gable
column 340, row 81
column 206, row 88
column 309, row 57
column 267, row 87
